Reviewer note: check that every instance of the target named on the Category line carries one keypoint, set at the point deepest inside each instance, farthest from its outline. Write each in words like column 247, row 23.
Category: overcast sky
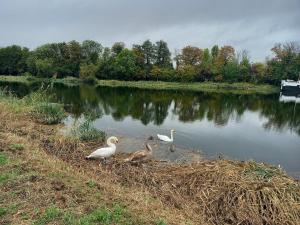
column 254, row 25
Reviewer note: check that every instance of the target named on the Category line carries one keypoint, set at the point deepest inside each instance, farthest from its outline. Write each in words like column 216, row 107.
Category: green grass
column 86, row 132
column 16, row 147
column 51, row 214
column 31, row 79
column 92, row 184
column 161, row 222
column 243, row 88
column 3, row 159
column 3, row 212
column 49, row 113
column 262, row 171
column 4, row 177
column 103, row 216
column 37, row 103
column 223, row 87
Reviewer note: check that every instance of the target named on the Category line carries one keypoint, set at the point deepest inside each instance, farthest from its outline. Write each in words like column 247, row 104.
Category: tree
column 13, row 60
column 162, row 55
column 191, row 56
column 117, row 48
column 125, row 65
column 91, row 51
column 44, row 68
column 225, row 55
column 148, row 49
column 88, row 72
column 286, row 63
column 215, row 52
column 245, row 66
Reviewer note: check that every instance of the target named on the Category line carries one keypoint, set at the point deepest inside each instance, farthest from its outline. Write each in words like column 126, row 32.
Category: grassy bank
column 37, row 162
column 243, row 88
column 30, row 80
column 238, row 88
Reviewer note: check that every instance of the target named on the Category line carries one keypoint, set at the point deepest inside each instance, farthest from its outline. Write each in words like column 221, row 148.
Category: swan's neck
column 171, row 135
column 149, row 149
column 110, row 144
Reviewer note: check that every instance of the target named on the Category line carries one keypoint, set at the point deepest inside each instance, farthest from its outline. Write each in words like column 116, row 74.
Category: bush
column 86, row 132
column 49, row 113
column 88, row 73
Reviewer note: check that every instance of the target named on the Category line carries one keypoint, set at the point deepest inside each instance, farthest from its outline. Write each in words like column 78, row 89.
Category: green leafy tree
column 44, row 68
column 117, row 48
column 162, row 55
column 124, row 66
column 13, row 60
column 91, row 51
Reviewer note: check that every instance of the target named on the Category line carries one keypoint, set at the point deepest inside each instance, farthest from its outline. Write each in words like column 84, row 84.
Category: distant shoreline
column 222, row 87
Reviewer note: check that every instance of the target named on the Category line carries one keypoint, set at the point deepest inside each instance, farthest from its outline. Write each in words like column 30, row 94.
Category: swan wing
column 139, row 156
column 102, row 152
column 164, row 138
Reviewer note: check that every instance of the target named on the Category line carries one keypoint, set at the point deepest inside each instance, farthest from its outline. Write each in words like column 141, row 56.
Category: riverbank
column 31, row 80
column 238, row 88
column 37, row 162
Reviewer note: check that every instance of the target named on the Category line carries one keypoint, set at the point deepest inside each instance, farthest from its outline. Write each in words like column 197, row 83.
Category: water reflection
column 150, row 106
column 154, row 106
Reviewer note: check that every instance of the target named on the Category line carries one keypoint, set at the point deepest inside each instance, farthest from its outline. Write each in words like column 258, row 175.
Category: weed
column 161, row 222
column 49, row 113
column 16, row 147
column 104, row 216
column 3, row 212
column 70, row 219
column 4, row 177
column 262, row 171
column 91, row 184
column 3, row 159
column 86, row 132
column 52, row 213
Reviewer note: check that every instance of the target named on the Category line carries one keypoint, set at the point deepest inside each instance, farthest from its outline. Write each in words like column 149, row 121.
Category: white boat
column 290, row 86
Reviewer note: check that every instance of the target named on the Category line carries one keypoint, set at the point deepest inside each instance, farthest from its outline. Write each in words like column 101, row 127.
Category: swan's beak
column 117, row 141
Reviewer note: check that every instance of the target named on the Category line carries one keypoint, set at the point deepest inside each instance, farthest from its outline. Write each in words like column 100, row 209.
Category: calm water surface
column 243, row 127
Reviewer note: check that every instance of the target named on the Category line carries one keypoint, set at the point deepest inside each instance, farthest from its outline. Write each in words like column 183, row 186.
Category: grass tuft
column 51, row 214
column 49, row 113
column 3, row 212
column 261, row 171
column 86, row 132
column 16, row 147
column 3, row 159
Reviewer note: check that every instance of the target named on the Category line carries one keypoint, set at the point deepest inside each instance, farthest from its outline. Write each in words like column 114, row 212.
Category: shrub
column 49, row 113
column 86, row 132
column 88, row 73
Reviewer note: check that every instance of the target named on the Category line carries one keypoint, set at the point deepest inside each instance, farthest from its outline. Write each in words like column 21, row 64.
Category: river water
column 236, row 126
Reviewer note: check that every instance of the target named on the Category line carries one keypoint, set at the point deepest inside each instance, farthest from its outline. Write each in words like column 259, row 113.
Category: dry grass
column 207, row 192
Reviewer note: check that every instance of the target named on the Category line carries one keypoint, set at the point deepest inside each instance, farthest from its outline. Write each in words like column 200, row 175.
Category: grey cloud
column 254, row 25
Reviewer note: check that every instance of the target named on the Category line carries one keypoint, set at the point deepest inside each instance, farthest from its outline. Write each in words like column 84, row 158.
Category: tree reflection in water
column 153, row 106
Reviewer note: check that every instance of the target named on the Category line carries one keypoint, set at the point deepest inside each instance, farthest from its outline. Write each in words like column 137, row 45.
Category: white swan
column 166, row 138
column 105, row 152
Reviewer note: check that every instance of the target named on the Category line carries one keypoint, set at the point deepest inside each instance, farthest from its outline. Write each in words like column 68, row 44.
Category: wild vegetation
column 89, row 61
column 38, row 162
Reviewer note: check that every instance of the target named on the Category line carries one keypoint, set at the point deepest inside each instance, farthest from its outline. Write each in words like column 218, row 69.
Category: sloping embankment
column 207, row 192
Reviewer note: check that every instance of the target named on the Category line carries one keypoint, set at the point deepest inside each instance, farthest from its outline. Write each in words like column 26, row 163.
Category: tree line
column 150, row 61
